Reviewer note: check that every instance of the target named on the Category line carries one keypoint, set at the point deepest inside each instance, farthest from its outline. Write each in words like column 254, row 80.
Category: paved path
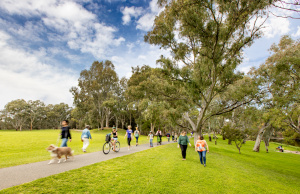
column 17, row 175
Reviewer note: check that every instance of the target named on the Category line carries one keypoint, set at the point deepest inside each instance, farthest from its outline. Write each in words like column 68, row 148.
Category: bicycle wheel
column 106, row 148
column 117, row 148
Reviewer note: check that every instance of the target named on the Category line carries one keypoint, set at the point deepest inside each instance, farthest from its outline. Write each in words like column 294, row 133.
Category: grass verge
column 161, row 170
column 22, row 147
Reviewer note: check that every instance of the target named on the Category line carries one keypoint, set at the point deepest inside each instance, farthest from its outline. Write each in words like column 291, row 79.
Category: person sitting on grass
column 114, row 133
column 151, row 138
column 280, row 148
column 200, row 148
column 85, row 136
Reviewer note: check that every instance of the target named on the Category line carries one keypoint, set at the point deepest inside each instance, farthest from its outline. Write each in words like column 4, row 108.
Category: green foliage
column 207, row 39
column 290, row 137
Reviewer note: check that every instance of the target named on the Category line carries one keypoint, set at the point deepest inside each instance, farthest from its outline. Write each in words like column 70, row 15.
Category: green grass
column 30, row 146
column 161, row 170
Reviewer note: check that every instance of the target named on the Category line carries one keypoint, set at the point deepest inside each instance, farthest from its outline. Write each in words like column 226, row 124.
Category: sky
column 44, row 45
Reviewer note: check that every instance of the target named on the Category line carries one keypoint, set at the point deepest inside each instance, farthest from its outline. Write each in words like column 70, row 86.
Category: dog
column 58, row 152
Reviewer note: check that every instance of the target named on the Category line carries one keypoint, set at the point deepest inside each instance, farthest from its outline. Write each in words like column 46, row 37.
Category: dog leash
column 57, row 141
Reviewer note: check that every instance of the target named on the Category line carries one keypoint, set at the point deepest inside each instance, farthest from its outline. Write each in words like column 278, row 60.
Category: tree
column 206, row 39
column 279, row 79
column 16, row 112
column 97, row 85
column 35, row 109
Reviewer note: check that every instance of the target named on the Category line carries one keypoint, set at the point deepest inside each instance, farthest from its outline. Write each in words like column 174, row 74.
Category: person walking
column 168, row 136
column 182, row 142
column 200, row 148
column 65, row 133
column 151, row 138
column 175, row 137
column 136, row 135
column 128, row 135
column 159, row 134
column 85, row 136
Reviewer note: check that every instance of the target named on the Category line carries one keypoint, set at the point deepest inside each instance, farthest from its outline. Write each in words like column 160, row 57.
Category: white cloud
column 297, row 33
column 129, row 12
column 71, row 22
column 276, row 26
column 145, row 22
column 24, row 76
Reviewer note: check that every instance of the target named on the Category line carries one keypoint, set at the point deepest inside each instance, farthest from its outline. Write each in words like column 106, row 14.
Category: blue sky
column 45, row 44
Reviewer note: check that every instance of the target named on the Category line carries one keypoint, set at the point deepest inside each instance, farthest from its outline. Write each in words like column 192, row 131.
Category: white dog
column 58, row 152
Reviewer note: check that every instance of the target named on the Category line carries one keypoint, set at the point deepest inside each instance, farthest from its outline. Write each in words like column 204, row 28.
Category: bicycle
column 107, row 146
column 159, row 140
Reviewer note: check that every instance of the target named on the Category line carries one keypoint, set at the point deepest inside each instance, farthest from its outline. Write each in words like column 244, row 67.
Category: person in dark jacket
column 183, row 140
column 65, row 133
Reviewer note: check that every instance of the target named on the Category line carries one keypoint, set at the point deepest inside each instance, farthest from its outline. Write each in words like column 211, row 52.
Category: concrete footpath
column 17, row 175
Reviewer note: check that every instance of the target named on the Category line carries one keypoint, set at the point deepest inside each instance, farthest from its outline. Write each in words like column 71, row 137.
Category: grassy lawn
column 30, row 146
column 161, row 170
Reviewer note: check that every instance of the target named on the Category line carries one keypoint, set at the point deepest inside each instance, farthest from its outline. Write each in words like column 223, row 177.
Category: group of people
column 201, row 145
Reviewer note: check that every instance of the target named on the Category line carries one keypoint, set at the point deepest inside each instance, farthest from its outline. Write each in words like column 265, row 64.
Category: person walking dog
column 85, row 136
column 65, row 133
column 182, row 142
column 200, row 148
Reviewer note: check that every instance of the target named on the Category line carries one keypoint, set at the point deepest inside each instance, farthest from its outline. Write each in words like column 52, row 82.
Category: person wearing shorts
column 128, row 135
column 114, row 133
column 136, row 135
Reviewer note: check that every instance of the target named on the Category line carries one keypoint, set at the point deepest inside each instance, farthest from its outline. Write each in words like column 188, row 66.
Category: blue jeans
column 202, row 155
column 151, row 142
column 64, row 142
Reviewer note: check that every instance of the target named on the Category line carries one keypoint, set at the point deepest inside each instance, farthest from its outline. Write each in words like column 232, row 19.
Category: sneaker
column 204, row 165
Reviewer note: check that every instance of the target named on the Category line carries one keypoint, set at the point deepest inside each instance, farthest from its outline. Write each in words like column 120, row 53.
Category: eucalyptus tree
column 16, row 113
column 96, row 86
column 35, row 111
column 206, row 39
column 279, row 81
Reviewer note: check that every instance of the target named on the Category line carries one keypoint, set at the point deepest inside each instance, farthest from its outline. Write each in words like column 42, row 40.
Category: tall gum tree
column 96, row 85
column 279, row 81
column 206, row 39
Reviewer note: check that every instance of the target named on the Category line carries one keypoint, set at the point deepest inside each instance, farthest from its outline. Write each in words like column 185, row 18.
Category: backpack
column 136, row 134
column 107, row 138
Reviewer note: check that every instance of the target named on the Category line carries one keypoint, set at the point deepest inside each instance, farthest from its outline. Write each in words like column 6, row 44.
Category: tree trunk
column 130, row 118
column 215, row 137
column 258, row 138
column 102, row 124
column 117, row 122
column 107, row 120
column 229, row 142
column 31, row 126
column 152, row 128
column 209, row 137
column 267, row 139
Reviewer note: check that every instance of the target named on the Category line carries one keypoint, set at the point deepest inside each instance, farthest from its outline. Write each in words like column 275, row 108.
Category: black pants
column 128, row 140
column 183, row 150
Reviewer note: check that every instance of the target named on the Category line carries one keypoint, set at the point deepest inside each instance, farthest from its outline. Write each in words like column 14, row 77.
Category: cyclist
column 128, row 134
column 114, row 133
column 158, row 133
column 136, row 135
